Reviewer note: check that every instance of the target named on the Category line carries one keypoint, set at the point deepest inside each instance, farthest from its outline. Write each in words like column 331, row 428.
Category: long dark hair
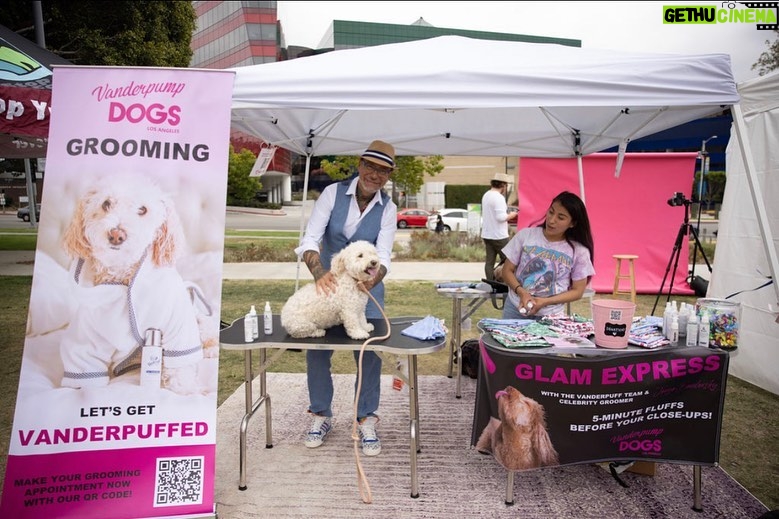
column 581, row 231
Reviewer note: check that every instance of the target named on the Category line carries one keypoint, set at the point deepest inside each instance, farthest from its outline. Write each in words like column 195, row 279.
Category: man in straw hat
column 348, row 211
column 495, row 221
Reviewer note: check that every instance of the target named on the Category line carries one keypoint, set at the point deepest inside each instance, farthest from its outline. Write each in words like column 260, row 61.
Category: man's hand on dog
column 326, row 284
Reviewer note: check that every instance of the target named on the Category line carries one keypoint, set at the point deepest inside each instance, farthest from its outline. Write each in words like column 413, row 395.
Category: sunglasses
column 384, row 172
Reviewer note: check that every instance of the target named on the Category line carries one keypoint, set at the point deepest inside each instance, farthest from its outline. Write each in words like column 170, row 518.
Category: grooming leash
column 362, row 480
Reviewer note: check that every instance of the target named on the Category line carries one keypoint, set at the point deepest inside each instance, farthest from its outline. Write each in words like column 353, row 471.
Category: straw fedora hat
column 381, row 153
column 502, row 177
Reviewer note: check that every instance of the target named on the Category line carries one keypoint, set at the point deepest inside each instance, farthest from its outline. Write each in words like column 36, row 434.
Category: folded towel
column 425, row 329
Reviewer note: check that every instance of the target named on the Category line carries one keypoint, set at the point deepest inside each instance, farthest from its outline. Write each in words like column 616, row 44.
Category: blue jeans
column 320, row 381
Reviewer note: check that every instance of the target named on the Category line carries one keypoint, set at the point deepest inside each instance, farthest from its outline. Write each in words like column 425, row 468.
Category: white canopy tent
column 747, row 243
column 459, row 96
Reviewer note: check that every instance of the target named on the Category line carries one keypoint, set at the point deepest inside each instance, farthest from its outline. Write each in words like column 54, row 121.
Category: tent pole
column 762, row 217
column 302, row 216
column 31, row 201
column 581, row 175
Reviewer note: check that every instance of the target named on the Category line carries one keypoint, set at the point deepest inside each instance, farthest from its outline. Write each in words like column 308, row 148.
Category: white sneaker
column 318, row 431
column 371, row 446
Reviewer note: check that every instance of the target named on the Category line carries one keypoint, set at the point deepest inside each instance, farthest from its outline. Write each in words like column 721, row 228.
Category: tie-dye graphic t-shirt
column 546, row 268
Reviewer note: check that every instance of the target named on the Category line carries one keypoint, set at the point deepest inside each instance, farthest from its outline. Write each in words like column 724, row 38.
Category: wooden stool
column 631, row 276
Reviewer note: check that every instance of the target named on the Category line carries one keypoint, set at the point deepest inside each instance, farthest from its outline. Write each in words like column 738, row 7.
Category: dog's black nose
column 116, row 236
column 374, row 263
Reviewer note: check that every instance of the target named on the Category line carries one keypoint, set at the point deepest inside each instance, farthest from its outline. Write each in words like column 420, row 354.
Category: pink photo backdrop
column 629, row 214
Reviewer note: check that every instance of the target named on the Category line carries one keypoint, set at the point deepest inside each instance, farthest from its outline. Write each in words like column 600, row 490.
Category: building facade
column 238, row 34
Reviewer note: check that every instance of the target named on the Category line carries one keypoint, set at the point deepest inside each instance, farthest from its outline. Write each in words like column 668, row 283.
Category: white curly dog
column 308, row 314
column 124, row 238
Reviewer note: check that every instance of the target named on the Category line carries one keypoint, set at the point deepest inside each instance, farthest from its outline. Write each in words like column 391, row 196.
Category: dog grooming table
column 476, row 298
column 232, row 338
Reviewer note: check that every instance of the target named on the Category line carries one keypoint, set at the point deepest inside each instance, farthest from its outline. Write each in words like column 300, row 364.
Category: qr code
column 179, row 481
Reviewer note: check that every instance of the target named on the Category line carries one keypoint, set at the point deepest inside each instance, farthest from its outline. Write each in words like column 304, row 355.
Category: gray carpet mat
column 290, row 480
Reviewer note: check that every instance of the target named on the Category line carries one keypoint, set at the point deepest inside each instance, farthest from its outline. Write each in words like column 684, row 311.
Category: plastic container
column 724, row 321
column 612, row 319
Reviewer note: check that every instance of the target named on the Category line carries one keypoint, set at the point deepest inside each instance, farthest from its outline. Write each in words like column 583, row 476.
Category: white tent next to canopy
column 747, row 243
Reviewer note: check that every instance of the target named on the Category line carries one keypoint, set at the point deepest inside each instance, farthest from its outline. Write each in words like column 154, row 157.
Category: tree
column 152, row 33
column 768, row 60
column 241, row 188
column 408, row 176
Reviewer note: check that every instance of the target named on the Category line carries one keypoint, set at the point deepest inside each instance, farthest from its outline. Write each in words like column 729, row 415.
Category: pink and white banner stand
column 116, row 411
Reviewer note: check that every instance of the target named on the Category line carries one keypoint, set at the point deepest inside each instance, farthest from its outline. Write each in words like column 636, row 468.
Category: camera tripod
column 686, row 228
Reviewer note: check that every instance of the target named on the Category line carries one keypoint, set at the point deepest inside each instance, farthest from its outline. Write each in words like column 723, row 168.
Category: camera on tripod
column 678, row 199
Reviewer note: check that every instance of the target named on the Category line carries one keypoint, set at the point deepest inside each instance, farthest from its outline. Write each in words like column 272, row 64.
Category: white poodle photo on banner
column 116, row 267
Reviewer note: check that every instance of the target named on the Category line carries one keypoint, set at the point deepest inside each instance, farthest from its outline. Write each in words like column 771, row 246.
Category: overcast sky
column 630, row 26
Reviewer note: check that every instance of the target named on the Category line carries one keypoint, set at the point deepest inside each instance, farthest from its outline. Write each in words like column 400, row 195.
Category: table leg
column 251, row 408
column 509, row 488
column 457, row 316
column 696, row 489
column 413, row 413
column 456, row 311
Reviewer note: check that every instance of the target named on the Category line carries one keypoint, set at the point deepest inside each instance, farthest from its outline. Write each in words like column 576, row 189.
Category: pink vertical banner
column 116, row 411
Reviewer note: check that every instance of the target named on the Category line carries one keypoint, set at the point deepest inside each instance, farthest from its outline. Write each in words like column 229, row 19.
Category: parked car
column 454, row 220
column 24, row 213
column 412, row 218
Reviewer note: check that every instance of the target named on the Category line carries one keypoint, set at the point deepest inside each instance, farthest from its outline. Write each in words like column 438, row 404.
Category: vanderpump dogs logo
column 130, row 105
column 763, row 14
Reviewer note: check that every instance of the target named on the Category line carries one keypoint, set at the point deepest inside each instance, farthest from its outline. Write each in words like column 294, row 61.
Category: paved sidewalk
column 20, row 263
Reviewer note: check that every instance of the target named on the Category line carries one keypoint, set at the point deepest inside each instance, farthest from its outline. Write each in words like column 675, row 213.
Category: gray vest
column 334, row 238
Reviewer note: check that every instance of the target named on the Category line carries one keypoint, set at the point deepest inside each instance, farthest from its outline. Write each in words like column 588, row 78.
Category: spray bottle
column 684, row 317
column 255, row 322
column 692, row 330
column 674, row 335
column 704, row 330
column 268, row 319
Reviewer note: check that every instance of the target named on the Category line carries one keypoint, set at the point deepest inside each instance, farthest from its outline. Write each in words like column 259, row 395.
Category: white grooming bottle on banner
column 151, row 359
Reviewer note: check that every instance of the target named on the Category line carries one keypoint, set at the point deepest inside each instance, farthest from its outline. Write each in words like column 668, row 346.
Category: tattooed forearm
column 311, row 258
column 380, row 274
column 377, row 278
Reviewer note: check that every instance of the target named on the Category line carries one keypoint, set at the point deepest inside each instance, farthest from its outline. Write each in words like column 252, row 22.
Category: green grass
column 17, row 239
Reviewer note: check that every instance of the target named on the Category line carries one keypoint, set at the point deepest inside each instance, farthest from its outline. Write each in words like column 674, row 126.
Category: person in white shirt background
column 495, row 221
